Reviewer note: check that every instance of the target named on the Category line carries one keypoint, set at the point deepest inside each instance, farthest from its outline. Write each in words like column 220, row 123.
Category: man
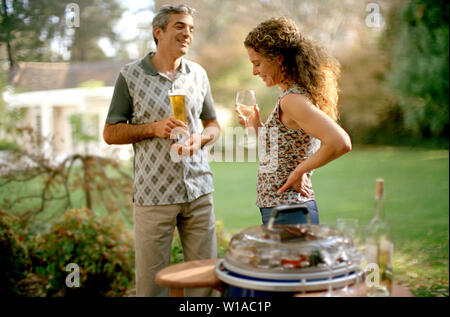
column 167, row 192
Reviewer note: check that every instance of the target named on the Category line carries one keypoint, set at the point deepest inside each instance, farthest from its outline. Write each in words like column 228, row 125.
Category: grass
column 417, row 203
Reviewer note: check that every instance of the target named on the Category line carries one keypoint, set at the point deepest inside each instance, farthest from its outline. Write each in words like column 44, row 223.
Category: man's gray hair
column 162, row 17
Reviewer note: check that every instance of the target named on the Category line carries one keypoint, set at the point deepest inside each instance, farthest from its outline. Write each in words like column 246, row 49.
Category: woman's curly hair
column 304, row 62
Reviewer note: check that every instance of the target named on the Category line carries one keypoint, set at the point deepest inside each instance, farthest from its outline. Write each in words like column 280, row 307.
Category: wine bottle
column 380, row 247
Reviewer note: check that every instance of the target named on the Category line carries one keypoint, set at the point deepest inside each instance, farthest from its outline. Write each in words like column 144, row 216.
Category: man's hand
column 196, row 141
column 190, row 147
column 163, row 128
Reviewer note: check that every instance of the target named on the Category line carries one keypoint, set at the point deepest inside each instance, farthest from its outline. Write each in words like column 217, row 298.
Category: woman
column 304, row 116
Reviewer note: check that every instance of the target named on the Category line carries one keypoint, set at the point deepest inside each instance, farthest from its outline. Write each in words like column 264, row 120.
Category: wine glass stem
column 246, row 130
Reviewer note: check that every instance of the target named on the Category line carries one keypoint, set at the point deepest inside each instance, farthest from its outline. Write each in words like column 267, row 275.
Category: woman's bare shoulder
column 295, row 102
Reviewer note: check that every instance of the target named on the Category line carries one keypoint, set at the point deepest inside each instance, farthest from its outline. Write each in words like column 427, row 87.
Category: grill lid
column 285, row 248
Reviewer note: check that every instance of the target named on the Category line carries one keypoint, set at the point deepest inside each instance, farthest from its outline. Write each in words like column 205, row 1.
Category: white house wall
column 62, row 131
column 53, row 109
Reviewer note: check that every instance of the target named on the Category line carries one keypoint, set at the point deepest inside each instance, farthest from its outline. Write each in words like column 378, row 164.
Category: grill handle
column 285, row 209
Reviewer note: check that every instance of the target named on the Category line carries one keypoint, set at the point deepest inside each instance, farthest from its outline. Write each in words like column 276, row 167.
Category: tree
column 97, row 19
column 33, row 184
column 28, row 28
column 417, row 41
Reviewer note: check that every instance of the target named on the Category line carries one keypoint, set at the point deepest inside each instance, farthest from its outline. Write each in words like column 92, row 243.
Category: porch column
column 47, row 128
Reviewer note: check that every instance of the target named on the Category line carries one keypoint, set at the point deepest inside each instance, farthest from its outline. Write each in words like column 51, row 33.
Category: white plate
column 287, row 285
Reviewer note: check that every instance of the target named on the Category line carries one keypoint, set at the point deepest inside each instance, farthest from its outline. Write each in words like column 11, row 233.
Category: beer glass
column 178, row 103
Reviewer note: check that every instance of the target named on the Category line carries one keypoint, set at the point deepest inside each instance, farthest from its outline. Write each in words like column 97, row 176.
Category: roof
column 34, row 76
column 57, row 97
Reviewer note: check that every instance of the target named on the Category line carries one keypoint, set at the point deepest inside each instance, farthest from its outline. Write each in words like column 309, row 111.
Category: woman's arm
column 299, row 112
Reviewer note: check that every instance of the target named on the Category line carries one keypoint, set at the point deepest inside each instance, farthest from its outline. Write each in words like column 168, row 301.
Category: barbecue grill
column 279, row 260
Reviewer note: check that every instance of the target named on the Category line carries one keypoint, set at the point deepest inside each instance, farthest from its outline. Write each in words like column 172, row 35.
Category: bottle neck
column 379, row 207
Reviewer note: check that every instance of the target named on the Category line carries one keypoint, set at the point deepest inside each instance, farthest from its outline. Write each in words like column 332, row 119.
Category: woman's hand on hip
column 299, row 181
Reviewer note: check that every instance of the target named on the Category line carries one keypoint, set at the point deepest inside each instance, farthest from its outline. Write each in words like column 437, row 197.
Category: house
column 55, row 94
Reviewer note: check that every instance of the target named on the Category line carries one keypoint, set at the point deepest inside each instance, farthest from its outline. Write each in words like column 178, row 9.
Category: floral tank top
column 284, row 148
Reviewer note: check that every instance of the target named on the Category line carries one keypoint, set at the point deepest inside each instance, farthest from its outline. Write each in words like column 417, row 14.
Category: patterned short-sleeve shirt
column 291, row 148
column 141, row 96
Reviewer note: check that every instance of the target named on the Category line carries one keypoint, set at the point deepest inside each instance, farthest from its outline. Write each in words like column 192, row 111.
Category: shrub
column 100, row 247
column 14, row 259
column 8, row 145
column 35, row 265
column 176, row 251
column 223, row 239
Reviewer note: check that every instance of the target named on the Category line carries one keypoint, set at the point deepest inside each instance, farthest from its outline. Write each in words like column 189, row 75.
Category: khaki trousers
column 153, row 232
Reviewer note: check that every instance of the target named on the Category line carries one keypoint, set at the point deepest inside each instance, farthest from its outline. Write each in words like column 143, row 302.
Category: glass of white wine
column 245, row 102
column 330, row 254
column 349, row 229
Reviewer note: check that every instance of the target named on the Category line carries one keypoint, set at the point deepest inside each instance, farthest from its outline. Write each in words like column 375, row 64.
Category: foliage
column 221, row 27
column 97, row 20
column 8, row 119
column 100, row 247
column 176, row 251
column 36, row 183
column 8, row 145
column 10, row 132
column 84, row 129
column 417, row 41
column 223, row 239
column 14, row 259
column 92, row 84
column 27, row 28
column 366, row 107
column 370, row 112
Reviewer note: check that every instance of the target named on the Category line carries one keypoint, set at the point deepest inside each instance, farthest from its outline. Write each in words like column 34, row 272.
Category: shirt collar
column 149, row 69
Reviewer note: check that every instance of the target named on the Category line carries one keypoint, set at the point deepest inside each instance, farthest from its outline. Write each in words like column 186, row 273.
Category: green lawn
column 417, row 202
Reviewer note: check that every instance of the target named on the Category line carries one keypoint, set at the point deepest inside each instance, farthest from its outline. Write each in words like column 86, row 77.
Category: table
column 200, row 273
column 191, row 274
